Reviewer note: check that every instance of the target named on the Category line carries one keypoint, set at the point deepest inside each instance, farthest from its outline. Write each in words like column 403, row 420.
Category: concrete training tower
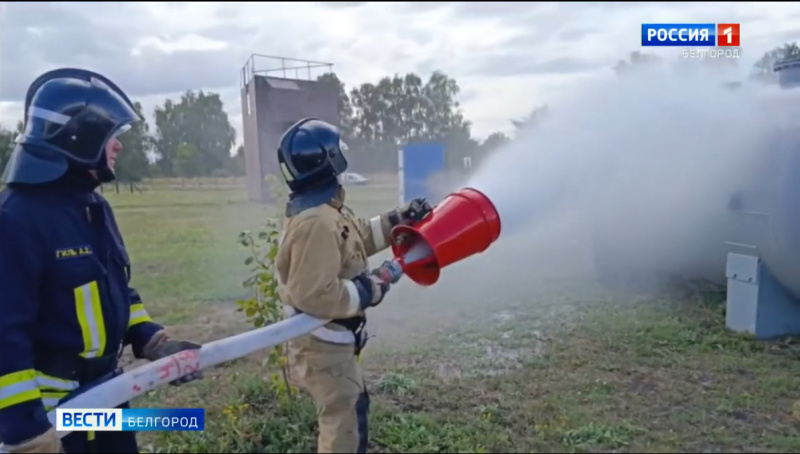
column 272, row 100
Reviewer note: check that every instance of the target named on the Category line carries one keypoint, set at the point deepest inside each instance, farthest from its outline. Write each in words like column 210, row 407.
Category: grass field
column 488, row 360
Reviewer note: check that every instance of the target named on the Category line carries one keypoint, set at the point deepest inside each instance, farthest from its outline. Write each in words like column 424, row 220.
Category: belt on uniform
column 355, row 334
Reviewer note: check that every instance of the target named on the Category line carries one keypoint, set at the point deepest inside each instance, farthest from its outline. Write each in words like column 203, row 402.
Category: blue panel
column 780, row 251
column 778, row 313
column 757, row 303
column 421, row 161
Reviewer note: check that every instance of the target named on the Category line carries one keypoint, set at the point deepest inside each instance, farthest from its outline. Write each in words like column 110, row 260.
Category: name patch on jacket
column 73, row 252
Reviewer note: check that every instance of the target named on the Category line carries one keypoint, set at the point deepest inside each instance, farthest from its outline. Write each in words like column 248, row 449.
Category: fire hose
column 150, row 376
column 131, row 384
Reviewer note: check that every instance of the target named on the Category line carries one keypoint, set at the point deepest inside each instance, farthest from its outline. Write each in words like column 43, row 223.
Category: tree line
column 193, row 136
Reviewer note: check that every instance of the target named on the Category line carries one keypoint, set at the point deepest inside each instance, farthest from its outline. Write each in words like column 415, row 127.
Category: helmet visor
column 83, row 136
column 338, row 161
column 121, row 130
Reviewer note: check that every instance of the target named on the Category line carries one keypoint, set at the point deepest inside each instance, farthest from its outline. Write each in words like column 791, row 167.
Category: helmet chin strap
column 105, row 175
column 338, row 200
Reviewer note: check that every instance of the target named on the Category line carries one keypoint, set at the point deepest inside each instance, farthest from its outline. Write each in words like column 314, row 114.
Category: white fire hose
column 150, row 376
column 127, row 386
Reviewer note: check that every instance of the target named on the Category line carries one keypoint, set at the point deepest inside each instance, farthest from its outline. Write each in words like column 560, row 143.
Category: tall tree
column 636, row 60
column 196, row 130
column 537, row 115
column 235, row 165
column 495, row 141
column 345, row 108
column 188, row 161
column 6, row 145
column 132, row 164
column 402, row 109
column 7, row 141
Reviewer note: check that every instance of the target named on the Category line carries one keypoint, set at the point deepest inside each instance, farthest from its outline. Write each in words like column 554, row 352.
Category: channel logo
column 691, row 35
column 130, row 419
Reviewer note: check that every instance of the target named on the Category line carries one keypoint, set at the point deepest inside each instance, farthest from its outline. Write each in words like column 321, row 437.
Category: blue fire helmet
column 311, row 155
column 70, row 115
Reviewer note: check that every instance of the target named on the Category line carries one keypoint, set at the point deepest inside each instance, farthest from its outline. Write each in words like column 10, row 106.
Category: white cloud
column 183, row 43
column 508, row 57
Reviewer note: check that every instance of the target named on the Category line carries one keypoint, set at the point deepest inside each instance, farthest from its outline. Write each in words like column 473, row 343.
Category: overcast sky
column 507, row 57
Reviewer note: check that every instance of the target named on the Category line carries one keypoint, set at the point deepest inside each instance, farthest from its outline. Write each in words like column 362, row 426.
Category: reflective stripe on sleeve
column 18, row 387
column 378, row 238
column 138, row 315
column 53, row 389
column 48, row 382
column 90, row 318
column 50, row 399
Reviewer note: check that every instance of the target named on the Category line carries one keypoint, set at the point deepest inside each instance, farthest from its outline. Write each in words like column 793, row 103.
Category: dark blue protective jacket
column 66, row 309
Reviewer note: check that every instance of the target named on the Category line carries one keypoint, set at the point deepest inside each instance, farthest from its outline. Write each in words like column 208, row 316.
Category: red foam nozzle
column 463, row 224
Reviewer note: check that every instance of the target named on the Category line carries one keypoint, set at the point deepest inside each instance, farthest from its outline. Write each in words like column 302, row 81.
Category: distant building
column 273, row 99
column 788, row 73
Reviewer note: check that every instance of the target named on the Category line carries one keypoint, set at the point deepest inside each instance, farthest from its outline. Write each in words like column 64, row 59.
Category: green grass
column 661, row 374
column 653, row 376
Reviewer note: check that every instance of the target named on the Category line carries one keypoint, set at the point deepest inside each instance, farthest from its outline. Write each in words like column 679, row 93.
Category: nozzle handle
column 389, row 272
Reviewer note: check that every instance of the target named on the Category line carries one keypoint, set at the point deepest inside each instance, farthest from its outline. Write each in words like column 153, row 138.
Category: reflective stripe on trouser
column 362, row 414
column 138, row 315
column 90, row 318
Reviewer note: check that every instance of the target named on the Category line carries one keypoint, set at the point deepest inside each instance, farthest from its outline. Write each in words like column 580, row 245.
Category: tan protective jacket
column 322, row 249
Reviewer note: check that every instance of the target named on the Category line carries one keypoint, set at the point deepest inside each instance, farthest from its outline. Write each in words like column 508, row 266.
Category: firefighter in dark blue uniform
column 66, row 309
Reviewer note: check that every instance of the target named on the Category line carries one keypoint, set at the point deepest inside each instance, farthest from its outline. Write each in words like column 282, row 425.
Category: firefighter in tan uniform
column 322, row 266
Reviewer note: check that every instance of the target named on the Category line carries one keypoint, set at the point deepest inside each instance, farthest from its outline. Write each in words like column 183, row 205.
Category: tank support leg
column 757, row 303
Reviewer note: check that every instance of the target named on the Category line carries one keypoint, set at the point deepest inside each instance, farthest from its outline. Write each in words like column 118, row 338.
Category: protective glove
column 161, row 346
column 371, row 290
column 46, row 442
column 414, row 211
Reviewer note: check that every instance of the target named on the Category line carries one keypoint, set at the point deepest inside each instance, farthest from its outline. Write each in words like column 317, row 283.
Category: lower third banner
column 130, row 419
